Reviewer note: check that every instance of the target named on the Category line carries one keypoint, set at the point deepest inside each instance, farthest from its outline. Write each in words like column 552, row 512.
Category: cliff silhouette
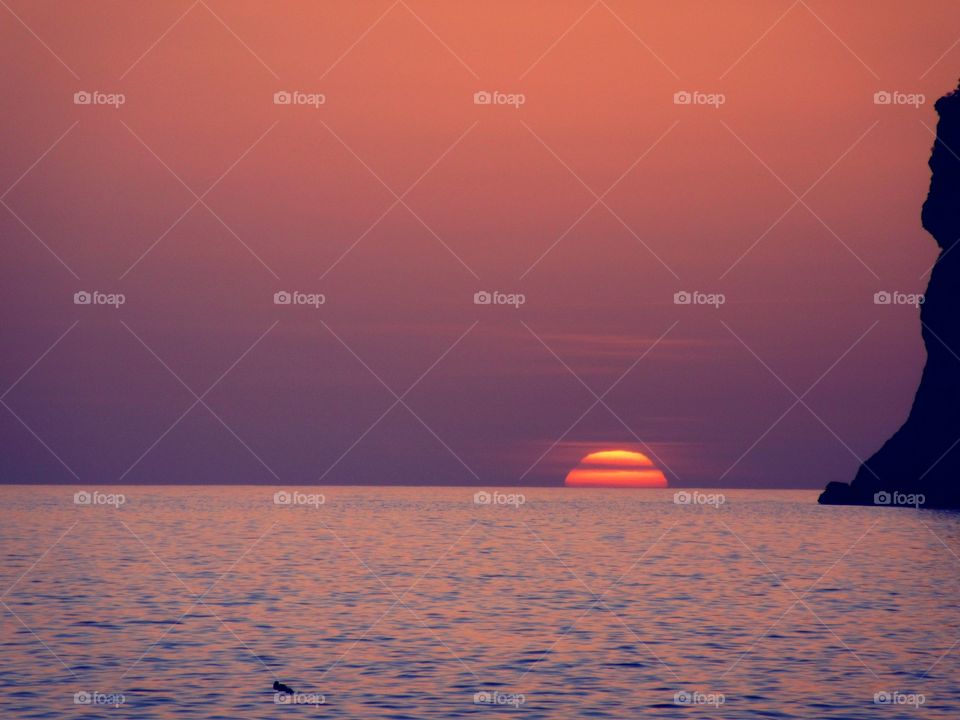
column 923, row 456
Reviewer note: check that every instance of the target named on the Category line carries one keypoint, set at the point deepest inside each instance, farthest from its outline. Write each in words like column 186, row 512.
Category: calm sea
column 183, row 602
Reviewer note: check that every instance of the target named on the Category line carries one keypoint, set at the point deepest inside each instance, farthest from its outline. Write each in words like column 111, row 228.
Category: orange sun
column 616, row 468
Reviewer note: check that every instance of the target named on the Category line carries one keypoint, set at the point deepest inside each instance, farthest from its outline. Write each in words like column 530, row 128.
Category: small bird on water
column 280, row 687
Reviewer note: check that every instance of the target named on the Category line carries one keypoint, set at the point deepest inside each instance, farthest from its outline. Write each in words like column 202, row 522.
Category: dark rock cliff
column 923, row 456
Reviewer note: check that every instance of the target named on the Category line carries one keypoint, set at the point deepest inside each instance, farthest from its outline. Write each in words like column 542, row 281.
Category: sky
column 780, row 199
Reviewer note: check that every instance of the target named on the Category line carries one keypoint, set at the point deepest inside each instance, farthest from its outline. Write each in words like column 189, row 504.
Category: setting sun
column 616, row 468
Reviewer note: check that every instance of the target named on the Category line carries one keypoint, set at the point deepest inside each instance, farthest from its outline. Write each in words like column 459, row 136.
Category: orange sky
column 500, row 198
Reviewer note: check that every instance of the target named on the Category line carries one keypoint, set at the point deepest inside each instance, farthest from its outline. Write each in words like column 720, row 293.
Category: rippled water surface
column 407, row 602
